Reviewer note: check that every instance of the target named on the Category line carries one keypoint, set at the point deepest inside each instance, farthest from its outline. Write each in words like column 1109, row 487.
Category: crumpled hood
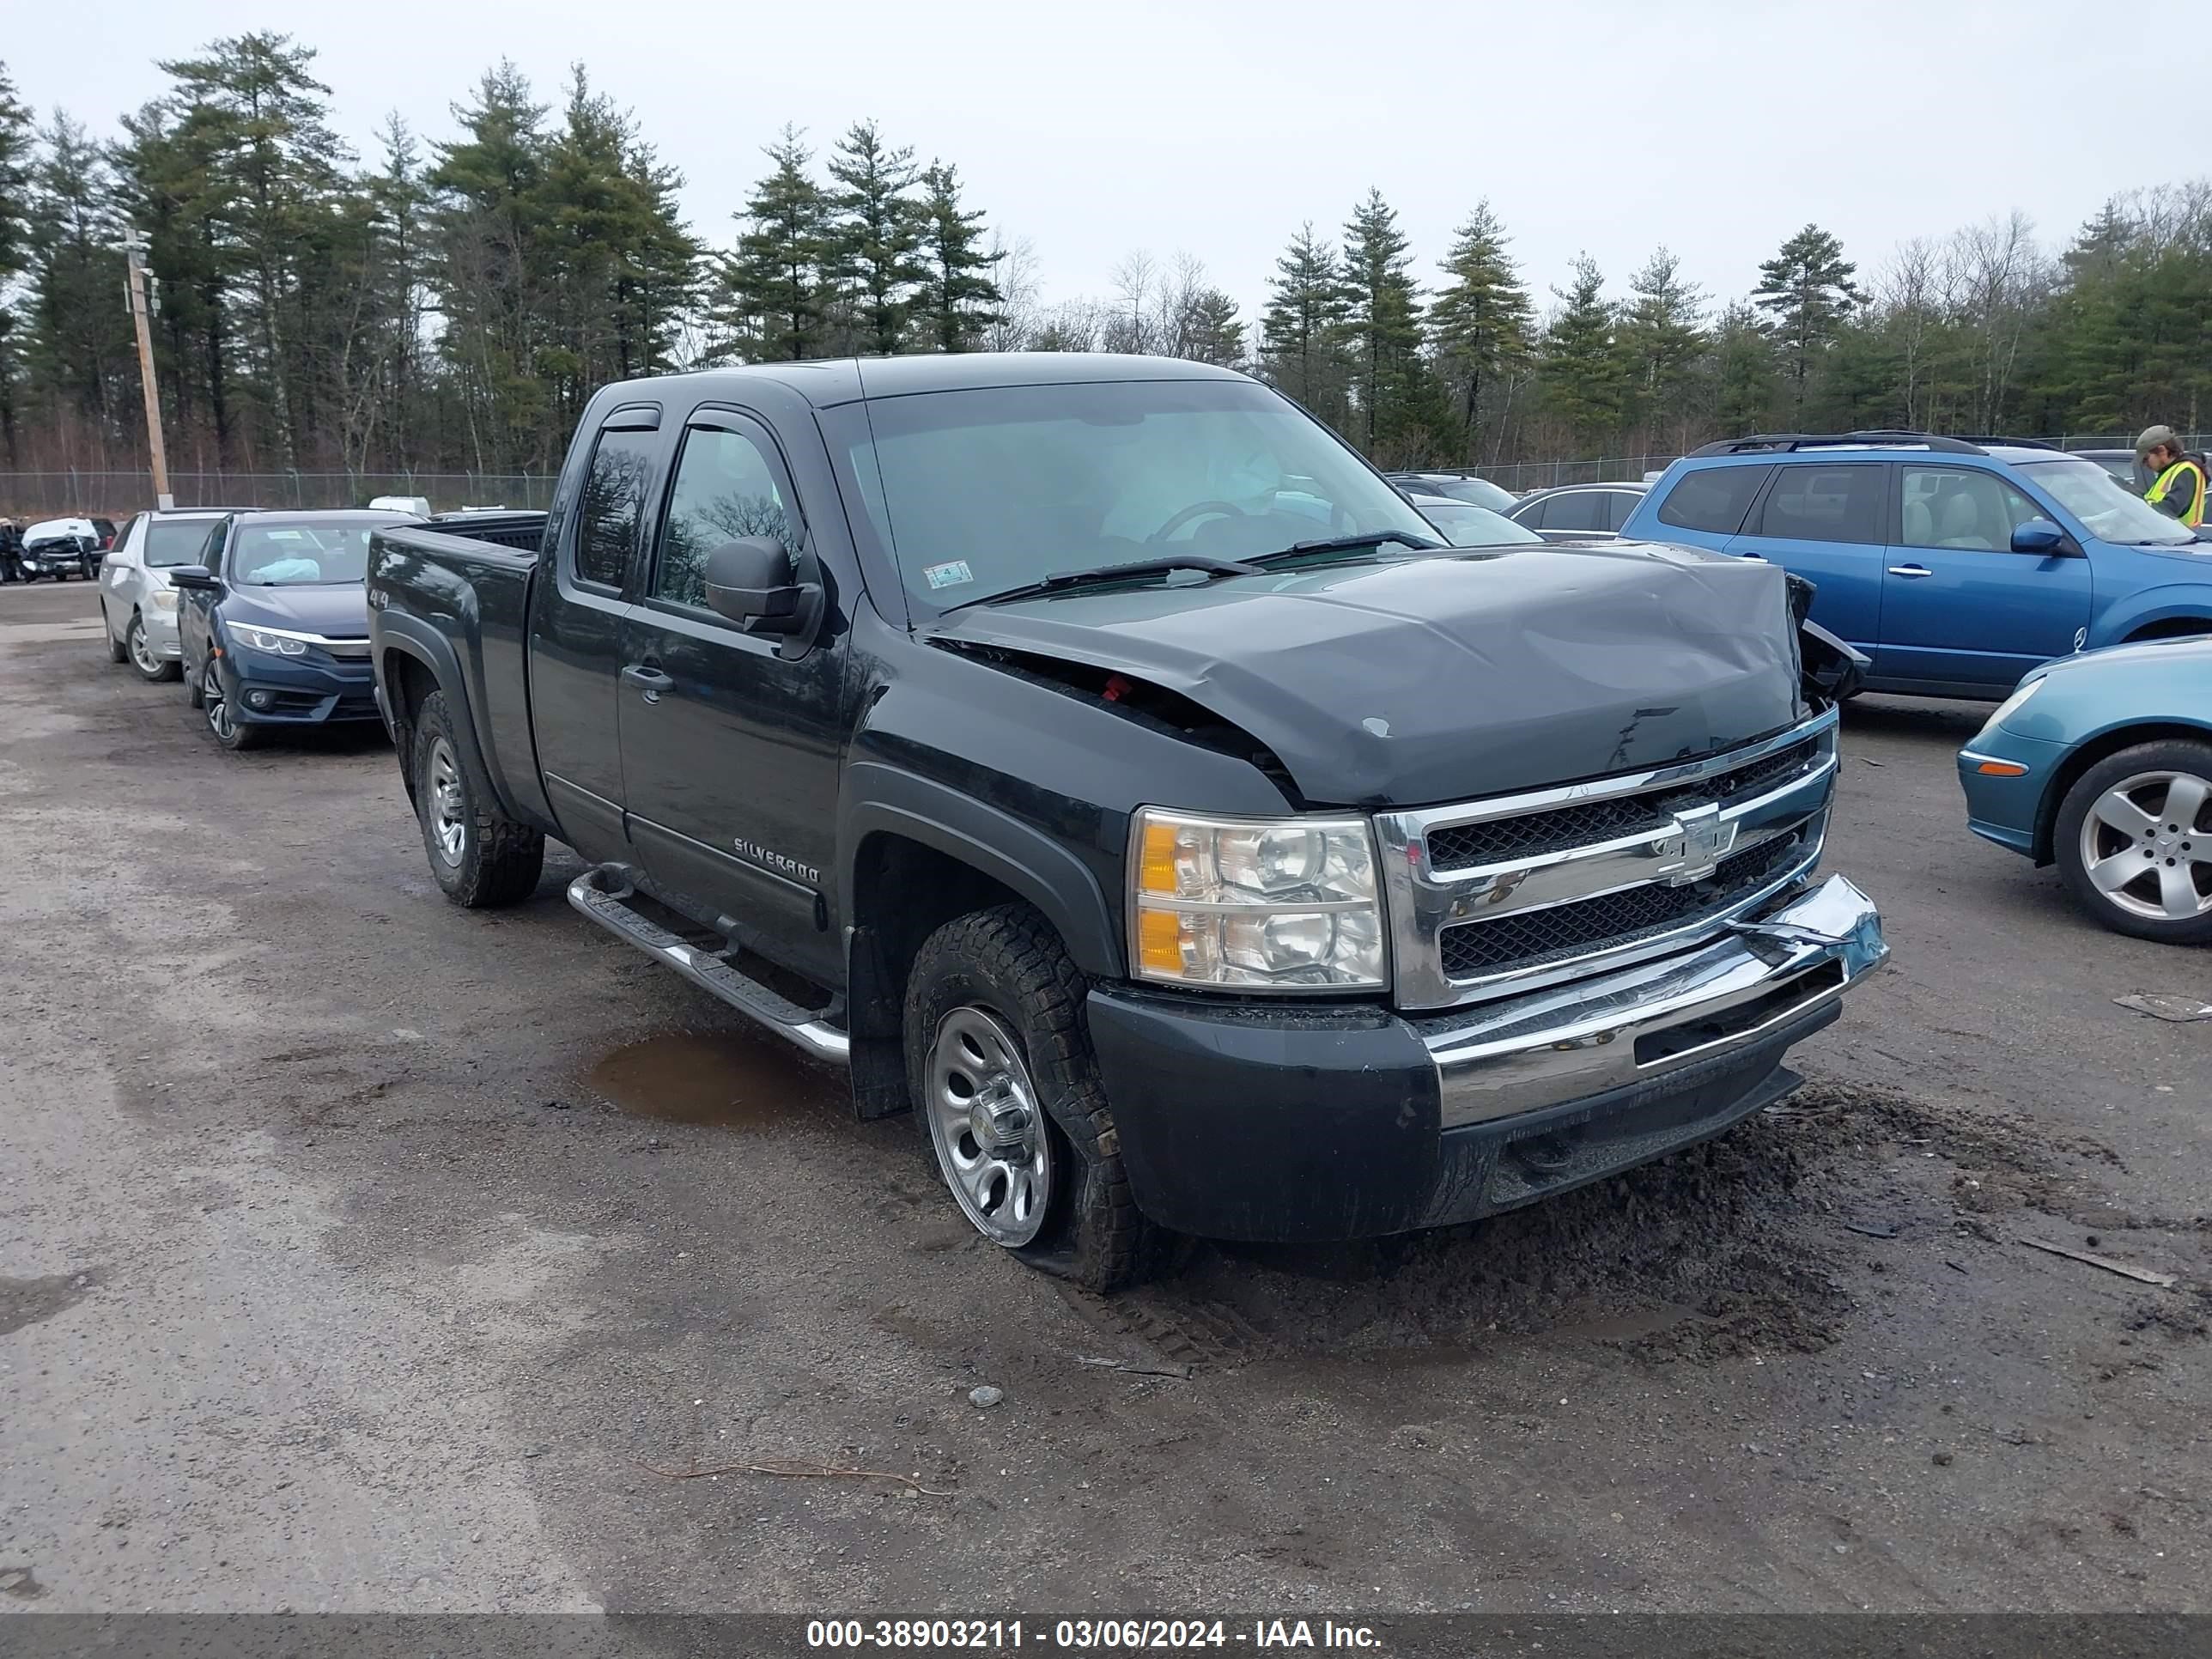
column 336, row 611
column 1417, row 681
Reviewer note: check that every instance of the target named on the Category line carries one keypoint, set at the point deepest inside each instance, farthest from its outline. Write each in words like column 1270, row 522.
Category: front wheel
column 215, row 705
column 2134, row 842
column 480, row 856
column 140, row 650
column 1002, row 1075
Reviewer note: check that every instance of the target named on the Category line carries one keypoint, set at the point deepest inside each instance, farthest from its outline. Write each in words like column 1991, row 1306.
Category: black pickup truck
column 1095, row 754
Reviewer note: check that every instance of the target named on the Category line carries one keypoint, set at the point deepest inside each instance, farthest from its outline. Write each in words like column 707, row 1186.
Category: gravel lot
column 357, row 1253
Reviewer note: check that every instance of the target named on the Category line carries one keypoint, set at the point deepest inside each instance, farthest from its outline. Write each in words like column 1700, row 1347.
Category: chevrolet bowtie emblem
column 1705, row 838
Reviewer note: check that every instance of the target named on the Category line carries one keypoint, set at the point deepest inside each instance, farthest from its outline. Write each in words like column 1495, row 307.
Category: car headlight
column 263, row 639
column 1257, row 904
column 164, row 598
column 2011, row 706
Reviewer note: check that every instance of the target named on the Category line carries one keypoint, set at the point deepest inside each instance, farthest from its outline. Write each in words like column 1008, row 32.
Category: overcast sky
column 1094, row 128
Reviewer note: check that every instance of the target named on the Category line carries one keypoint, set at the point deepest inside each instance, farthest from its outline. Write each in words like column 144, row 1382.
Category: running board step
column 601, row 894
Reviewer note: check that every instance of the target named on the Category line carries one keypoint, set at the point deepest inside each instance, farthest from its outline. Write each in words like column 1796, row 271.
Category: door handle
column 1912, row 571
column 648, row 679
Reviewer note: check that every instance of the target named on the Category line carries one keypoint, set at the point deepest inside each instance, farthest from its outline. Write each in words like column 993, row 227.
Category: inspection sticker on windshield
column 949, row 574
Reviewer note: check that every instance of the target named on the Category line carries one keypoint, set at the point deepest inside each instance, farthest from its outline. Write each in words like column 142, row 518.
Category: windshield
column 2108, row 509
column 292, row 552
column 1474, row 526
column 176, row 542
column 974, row 493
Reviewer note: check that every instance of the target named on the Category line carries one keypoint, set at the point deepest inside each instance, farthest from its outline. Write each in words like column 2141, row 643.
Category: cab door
column 1823, row 520
column 732, row 741
column 576, row 637
column 1962, row 612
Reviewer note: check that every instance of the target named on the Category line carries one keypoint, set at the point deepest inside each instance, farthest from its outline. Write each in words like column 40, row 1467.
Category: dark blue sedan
column 274, row 628
column 2101, row 763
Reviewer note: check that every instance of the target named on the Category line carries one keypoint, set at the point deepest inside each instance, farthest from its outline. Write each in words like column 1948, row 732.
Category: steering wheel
column 1195, row 510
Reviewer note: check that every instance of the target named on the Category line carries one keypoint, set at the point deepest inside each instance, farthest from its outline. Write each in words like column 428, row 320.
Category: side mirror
column 750, row 581
column 2039, row 535
column 194, row 578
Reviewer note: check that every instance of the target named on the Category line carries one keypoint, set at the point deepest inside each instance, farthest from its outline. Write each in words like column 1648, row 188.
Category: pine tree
column 1401, row 409
column 1664, row 340
column 16, row 160
column 1480, row 321
column 1303, row 330
column 959, row 302
column 490, row 267
column 259, row 117
column 777, row 277
column 80, row 350
column 1744, row 378
column 875, row 236
column 1212, row 331
column 1584, row 378
column 1807, row 290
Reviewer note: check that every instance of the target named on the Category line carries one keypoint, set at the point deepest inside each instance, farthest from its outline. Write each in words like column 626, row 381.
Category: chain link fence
column 1520, row 476
column 76, row 492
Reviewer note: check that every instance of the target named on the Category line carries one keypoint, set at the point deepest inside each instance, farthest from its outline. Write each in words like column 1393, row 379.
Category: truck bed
column 454, row 596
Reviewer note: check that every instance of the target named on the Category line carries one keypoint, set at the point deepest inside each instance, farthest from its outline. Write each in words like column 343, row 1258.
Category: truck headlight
column 164, row 598
column 1256, row 904
column 262, row 639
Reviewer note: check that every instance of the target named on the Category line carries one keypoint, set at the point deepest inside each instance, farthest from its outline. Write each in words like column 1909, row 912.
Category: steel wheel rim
column 218, row 706
column 141, row 653
column 448, row 822
column 2155, row 864
column 989, row 1129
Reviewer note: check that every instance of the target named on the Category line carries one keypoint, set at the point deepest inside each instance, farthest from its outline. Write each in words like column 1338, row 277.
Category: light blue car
column 2101, row 763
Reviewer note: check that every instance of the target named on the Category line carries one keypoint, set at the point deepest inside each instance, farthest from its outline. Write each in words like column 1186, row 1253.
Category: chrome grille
column 347, row 650
column 1533, row 938
column 1497, row 896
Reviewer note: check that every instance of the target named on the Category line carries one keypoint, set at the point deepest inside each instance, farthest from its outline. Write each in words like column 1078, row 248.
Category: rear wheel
column 480, row 856
column 140, row 650
column 117, row 652
column 1002, row 1075
column 2134, row 842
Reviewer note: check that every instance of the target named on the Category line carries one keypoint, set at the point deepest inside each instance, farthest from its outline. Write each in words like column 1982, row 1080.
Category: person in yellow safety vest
column 2177, row 478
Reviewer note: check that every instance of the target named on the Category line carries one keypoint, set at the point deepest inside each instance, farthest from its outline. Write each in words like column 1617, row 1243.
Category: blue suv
column 1957, row 566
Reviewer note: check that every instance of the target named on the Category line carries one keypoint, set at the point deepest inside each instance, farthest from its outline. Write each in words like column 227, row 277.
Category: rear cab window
column 1713, row 499
column 611, row 504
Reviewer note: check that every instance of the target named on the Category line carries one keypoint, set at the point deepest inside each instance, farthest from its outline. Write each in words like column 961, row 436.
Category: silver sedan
column 136, row 600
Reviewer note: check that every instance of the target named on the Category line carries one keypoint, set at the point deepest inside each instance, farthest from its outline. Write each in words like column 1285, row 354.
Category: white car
column 136, row 602
column 60, row 548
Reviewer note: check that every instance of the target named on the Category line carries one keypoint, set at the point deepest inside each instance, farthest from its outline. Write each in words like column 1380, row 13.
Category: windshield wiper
column 1167, row 565
column 1349, row 544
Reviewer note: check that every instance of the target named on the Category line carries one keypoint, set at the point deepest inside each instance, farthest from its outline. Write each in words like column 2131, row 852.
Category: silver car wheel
column 991, row 1143
column 2146, row 846
column 141, row 650
column 217, row 705
column 448, row 817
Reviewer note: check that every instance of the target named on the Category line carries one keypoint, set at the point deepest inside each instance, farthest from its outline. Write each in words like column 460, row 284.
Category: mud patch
column 1699, row 1255
column 26, row 1301
column 717, row 1079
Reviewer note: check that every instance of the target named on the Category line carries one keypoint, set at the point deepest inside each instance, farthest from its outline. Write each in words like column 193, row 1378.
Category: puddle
column 723, row 1079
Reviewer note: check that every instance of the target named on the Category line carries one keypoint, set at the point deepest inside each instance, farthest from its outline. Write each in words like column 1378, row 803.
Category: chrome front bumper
column 1571, row 1042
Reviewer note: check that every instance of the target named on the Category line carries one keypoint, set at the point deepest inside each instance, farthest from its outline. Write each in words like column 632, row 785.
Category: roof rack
column 1795, row 441
column 2010, row 443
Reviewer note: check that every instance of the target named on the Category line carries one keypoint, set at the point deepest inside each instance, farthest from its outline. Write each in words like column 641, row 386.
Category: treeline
column 450, row 304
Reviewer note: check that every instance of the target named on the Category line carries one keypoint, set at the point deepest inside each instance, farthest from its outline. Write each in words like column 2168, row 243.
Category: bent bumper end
column 1313, row 1124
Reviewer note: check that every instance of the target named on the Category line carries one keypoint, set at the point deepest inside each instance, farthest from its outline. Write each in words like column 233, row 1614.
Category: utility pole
column 134, row 249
